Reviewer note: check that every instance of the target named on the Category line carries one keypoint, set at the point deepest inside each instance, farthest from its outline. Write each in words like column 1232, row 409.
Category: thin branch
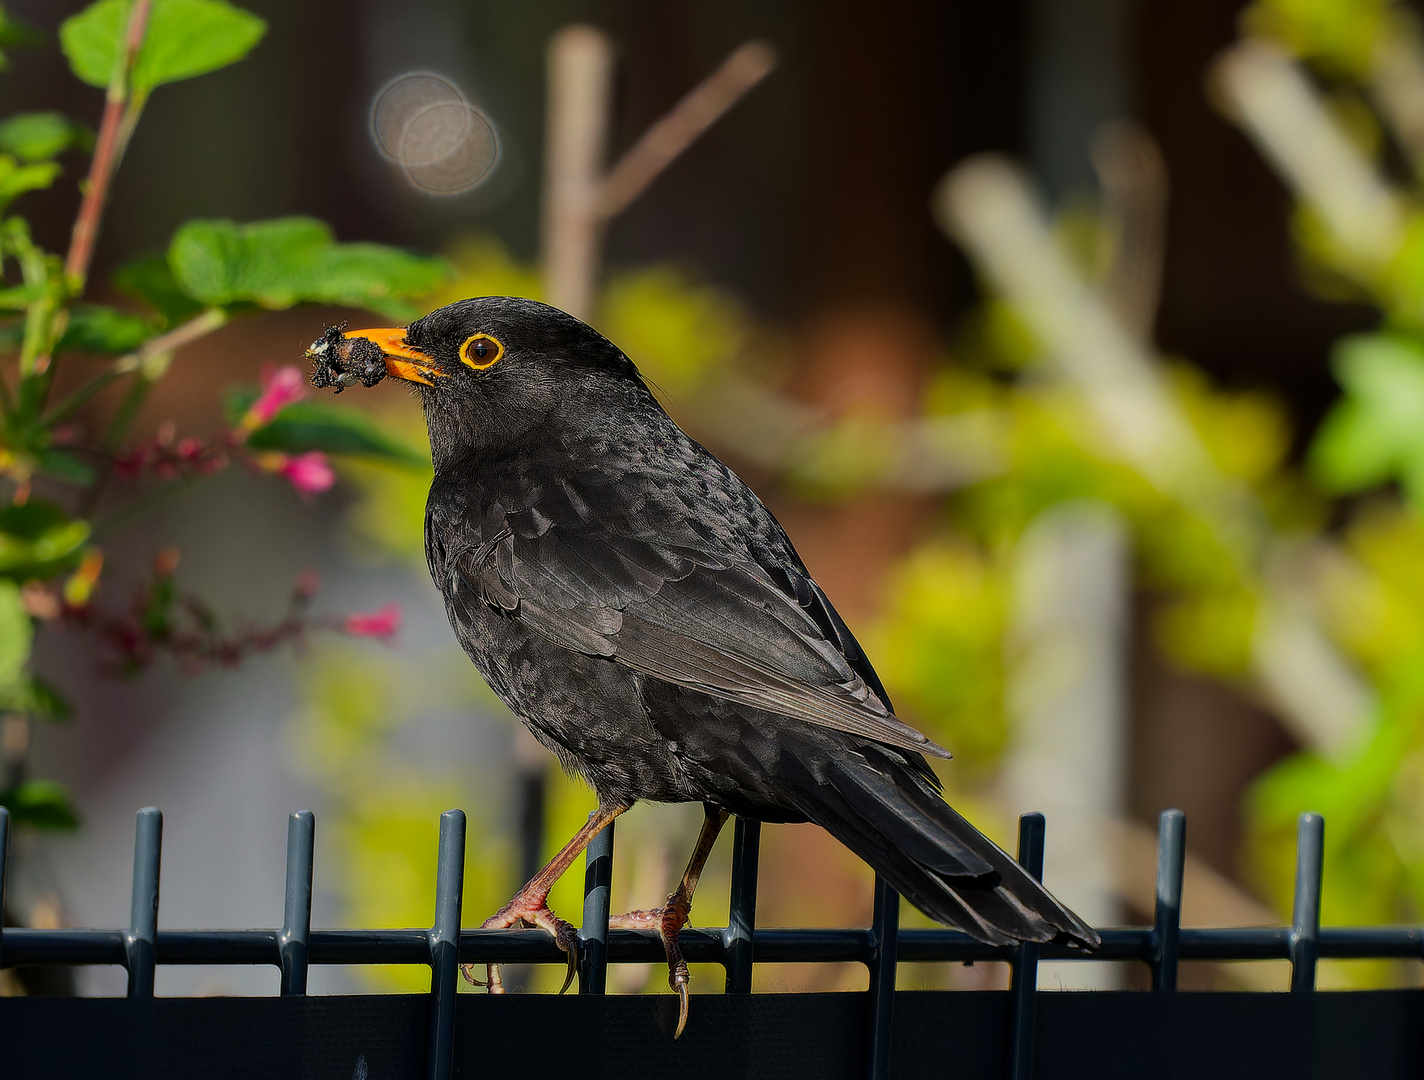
column 703, row 106
column 108, row 149
column 172, row 341
column 580, row 89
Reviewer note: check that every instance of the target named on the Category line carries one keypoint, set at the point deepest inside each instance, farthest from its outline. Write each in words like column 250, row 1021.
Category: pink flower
column 309, row 473
column 279, row 389
column 380, row 624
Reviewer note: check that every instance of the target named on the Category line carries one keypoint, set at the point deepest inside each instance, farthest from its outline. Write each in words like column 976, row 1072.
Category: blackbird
column 647, row 618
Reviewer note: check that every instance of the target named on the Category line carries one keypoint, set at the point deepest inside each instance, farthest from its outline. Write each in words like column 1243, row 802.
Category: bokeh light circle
column 423, row 123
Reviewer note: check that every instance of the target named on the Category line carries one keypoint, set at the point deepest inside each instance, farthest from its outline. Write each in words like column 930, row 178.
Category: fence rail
column 293, row 947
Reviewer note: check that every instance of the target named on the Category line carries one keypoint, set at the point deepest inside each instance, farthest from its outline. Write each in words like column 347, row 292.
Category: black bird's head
column 494, row 371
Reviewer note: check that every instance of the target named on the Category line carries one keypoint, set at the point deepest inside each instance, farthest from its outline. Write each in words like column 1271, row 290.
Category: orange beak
column 402, row 362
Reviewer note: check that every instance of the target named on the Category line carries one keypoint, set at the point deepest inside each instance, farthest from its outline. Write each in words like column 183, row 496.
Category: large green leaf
column 43, row 135
column 335, row 429
column 290, row 260
column 185, row 38
column 149, row 278
column 40, row 802
column 1377, row 432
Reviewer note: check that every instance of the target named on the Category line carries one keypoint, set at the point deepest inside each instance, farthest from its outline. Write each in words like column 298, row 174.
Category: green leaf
column 287, row 261
column 185, row 38
column 17, row 634
column 38, row 540
column 44, row 803
column 219, row 261
column 236, row 401
column 35, row 696
column 47, row 703
column 1377, row 432
column 19, row 297
column 13, row 31
column 31, row 520
column 43, row 135
column 150, row 279
column 96, row 329
column 16, row 179
column 335, row 429
column 65, row 466
column 40, row 700
column 374, row 277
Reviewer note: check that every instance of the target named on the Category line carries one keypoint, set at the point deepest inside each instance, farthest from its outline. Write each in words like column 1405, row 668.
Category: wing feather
column 726, row 628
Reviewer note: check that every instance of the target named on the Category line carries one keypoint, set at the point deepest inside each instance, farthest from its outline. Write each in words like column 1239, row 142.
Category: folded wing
column 727, row 627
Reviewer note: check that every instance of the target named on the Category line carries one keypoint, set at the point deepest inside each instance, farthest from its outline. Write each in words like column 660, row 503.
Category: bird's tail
column 887, row 812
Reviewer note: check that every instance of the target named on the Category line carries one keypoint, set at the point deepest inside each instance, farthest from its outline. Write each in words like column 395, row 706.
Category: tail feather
column 876, row 805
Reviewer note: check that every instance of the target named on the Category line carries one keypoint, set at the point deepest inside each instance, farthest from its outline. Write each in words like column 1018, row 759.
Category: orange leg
column 669, row 919
column 530, row 906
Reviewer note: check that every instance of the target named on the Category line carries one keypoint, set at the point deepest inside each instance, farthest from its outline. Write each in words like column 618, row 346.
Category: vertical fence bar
column 445, row 945
column 4, row 869
column 593, row 937
column 141, row 941
column 1167, row 920
column 1023, row 984
column 296, row 917
column 741, row 924
column 885, row 932
column 1305, row 929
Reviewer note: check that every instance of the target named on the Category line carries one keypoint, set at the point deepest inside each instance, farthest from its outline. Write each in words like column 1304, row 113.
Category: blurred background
column 1078, row 345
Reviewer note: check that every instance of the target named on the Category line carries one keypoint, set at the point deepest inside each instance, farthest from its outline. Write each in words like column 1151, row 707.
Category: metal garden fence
column 1019, row 1034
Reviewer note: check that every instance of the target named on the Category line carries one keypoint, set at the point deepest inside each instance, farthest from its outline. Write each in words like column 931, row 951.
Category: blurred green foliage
column 1376, row 433
column 938, row 646
column 1370, row 447
column 383, row 797
column 43, row 136
column 1338, row 34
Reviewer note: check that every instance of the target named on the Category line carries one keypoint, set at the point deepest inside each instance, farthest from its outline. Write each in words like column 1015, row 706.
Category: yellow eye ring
column 480, row 351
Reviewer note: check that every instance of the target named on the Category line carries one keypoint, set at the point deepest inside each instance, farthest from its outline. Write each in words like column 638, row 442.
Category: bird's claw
column 678, row 980
column 668, row 921
column 573, row 969
column 468, row 971
column 522, row 912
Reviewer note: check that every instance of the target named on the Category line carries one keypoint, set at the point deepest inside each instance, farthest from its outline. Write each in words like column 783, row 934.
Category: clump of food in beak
column 344, row 361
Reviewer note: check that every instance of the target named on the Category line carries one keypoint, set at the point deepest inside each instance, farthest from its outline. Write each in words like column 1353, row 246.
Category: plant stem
column 105, row 527
column 173, row 340
column 120, row 116
column 37, row 313
column 48, row 317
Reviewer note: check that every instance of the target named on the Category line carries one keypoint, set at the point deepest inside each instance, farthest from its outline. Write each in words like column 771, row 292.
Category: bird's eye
column 480, row 351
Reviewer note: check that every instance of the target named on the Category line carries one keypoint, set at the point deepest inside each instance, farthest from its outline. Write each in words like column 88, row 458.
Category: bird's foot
column 530, row 910
column 668, row 921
